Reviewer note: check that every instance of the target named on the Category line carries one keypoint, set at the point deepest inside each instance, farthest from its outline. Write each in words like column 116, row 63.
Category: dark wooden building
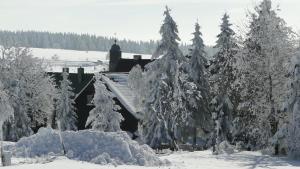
column 116, row 81
column 82, row 84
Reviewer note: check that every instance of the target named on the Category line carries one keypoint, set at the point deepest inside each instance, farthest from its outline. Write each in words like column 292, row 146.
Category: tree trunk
column 61, row 139
column 273, row 119
column 214, row 142
column 2, row 153
column 195, row 138
column 1, row 147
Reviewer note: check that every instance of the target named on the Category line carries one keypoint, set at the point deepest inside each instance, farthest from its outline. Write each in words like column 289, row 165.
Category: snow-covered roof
column 117, row 83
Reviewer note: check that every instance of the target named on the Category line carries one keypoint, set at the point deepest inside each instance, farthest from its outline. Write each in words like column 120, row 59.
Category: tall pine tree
column 164, row 106
column 199, row 95
column 222, row 79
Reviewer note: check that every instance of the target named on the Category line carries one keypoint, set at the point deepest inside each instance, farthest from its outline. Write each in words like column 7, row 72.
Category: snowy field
column 92, row 61
column 179, row 160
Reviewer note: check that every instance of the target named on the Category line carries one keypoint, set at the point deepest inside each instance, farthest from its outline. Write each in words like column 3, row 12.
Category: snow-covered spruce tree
column 197, row 87
column 104, row 116
column 66, row 114
column 222, row 79
column 136, row 83
column 31, row 92
column 6, row 112
column 267, row 50
column 164, row 104
column 293, row 105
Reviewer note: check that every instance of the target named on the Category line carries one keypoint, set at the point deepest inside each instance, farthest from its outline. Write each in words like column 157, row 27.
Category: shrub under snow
column 224, row 148
column 88, row 145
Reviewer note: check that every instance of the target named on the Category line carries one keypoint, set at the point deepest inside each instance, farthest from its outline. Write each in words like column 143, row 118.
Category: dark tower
column 114, row 56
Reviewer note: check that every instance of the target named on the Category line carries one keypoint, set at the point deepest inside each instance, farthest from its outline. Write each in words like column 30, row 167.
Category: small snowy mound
column 88, row 145
column 225, row 148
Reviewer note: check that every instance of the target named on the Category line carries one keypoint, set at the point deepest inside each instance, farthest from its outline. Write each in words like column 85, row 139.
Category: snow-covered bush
column 239, row 146
column 224, row 148
column 89, row 145
column 268, row 151
column 31, row 92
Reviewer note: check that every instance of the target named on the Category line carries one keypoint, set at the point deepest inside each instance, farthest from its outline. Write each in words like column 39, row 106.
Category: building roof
column 118, row 84
column 77, row 84
column 115, row 47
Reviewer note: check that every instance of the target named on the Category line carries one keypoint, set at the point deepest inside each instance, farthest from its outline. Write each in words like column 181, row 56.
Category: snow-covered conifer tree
column 164, row 104
column 6, row 112
column 293, row 105
column 66, row 114
column 136, row 83
column 199, row 95
column 222, row 79
column 267, row 50
column 198, row 58
column 104, row 116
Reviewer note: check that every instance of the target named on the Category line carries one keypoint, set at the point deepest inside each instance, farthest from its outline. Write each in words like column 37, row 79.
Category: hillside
column 80, row 42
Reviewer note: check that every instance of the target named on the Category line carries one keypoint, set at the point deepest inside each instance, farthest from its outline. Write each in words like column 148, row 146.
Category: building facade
column 116, row 81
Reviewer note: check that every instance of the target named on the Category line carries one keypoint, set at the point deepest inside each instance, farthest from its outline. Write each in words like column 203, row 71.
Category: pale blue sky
column 133, row 19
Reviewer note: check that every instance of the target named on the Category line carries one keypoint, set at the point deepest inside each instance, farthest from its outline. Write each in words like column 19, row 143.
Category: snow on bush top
column 88, row 145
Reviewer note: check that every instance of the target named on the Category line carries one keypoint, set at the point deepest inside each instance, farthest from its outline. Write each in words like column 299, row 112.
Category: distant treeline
column 83, row 42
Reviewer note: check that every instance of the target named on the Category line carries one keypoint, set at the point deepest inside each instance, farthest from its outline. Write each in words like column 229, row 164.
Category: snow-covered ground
column 179, row 160
column 92, row 61
column 86, row 145
column 88, row 149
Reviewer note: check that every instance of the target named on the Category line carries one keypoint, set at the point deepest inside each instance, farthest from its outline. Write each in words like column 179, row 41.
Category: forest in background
column 82, row 42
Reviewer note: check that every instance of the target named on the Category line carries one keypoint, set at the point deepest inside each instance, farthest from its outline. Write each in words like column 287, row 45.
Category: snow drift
column 93, row 146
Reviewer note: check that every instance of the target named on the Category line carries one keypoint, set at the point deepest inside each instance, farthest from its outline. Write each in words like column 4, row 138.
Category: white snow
column 118, row 151
column 115, row 148
column 179, row 160
column 92, row 61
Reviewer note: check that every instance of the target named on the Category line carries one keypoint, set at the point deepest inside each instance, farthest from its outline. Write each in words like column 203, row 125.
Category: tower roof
column 115, row 47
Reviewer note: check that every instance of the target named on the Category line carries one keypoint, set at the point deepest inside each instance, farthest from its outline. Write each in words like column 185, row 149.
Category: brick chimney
column 137, row 57
column 80, row 74
column 65, row 69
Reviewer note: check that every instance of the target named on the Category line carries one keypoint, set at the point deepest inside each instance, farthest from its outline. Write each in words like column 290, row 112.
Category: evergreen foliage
column 30, row 90
column 104, row 116
column 197, row 86
column 66, row 114
column 267, row 51
column 293, row 105
column 165, row 104
column 223, row 76
column 72, row 41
